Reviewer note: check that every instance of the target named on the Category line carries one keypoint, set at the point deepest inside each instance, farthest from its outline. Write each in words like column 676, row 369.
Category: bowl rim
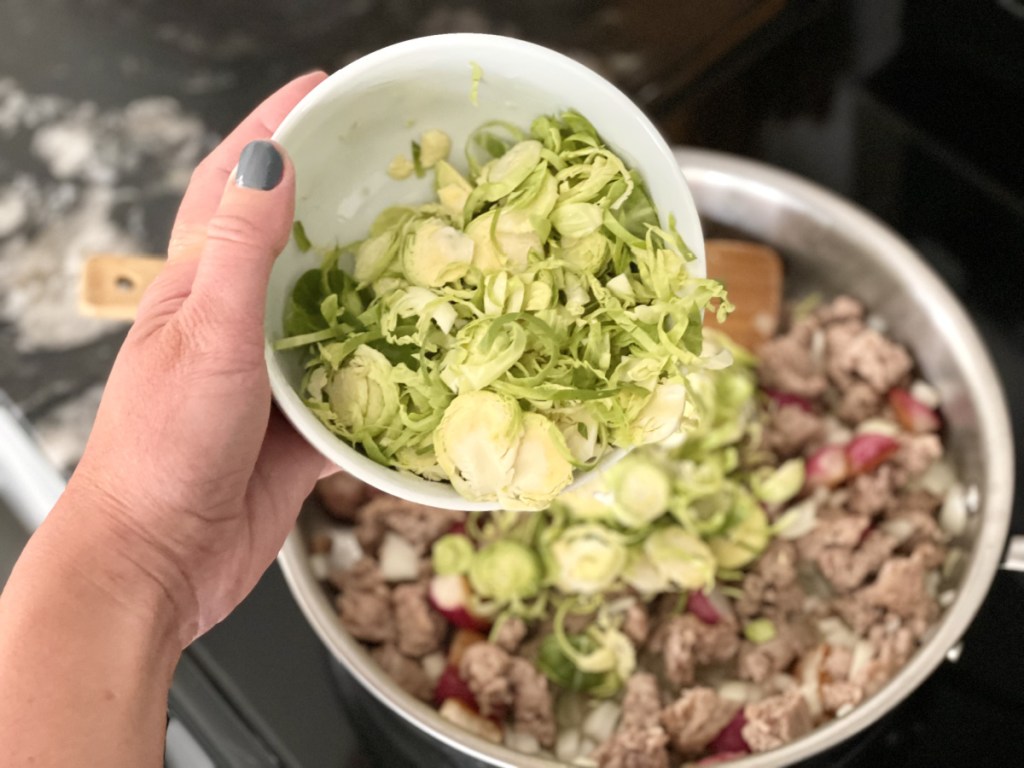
column 995, row 509
column 411, row 488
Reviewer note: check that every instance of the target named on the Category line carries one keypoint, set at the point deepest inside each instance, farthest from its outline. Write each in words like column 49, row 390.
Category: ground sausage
column 775, row 721
column 637, row 626
column 858, row 402
column 364, row 603
column 847, row 569
column 872, row 493
column 791, row 429
column 786, row 364
column 695, row 718
column 419, row 629
column 689, row 641
column 342, row 496
column 404, row 671
column 510, row 634
column 870, row 357
column 900, row 588
column 641, row 704
column 485, row 668
column 634, row 748
column 533, row 711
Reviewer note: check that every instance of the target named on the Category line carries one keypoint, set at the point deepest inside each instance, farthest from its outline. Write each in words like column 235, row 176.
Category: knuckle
column 236, row 229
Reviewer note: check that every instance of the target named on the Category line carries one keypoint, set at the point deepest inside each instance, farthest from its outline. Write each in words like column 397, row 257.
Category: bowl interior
column 343, row 135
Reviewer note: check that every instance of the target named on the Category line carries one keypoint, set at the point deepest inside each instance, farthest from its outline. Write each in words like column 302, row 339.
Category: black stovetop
column 910, row 110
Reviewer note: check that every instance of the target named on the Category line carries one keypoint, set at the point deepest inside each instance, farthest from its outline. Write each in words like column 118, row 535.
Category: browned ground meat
column 418, row 524
column 872, row 493
column 688, row 641
column 485, row 668
column 532, row 706
column 791, row 430
column 858, row 402
column 841, row 308
column 900, row 588
column 695, row 718
column 510, row 634
column 641, row 704
column 637, row 625
column 786, row 364
column 917, row 453
column 419, row 628
column 847, row 569
column 342, row 495
column 870, row 357
column 364, row 604
column 406, row 672
column 775, row 721
column 634, row 748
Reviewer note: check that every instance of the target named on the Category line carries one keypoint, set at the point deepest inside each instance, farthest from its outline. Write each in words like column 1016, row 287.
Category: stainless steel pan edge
column 760, row 199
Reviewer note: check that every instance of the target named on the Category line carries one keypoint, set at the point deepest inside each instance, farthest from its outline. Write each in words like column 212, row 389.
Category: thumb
column 245, row 235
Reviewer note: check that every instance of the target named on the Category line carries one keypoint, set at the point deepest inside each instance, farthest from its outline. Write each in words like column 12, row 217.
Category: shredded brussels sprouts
column 540, row 286
column 686, row 514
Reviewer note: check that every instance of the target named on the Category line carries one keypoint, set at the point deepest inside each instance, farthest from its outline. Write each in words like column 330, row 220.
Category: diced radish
column 459, row 526
column 914, row 415
column 721, row 757
column 522, row 742
column 730, row 739
column 457, row 712
column 460, row 642
column 398, row 559
column 700, row 606
column 827, row 467
column 866, row 452
column 567, row 748
column 785, row 398
column 601, row 721
column 434, row 665
column 451, row 686
column 450, row 595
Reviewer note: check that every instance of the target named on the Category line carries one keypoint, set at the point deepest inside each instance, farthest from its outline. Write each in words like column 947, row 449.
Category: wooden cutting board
column 112, row 286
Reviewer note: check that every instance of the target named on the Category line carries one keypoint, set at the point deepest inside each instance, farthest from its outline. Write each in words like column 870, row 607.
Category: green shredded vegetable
column 532, row 316
column 299, row 235
column 759, row 630
column 682, row 515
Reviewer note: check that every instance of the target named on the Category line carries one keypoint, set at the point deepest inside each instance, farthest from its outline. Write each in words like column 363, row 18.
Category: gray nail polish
column 260, row 166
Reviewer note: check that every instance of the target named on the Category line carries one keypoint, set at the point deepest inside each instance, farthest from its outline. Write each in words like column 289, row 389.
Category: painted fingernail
column 260, row 166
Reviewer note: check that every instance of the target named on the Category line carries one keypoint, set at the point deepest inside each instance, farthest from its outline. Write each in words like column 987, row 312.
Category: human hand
column 195, row 478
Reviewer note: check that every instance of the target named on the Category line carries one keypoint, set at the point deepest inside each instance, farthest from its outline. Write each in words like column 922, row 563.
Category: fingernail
column 260, row 166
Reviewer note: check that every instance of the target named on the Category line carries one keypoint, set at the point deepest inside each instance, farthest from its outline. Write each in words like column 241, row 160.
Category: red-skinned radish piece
column 700, row 606
column 912, row 414
column 451, row 686
column 729, row 740
column 785, row 398
column 450, row 595
column 868, row 451
column 827, row 467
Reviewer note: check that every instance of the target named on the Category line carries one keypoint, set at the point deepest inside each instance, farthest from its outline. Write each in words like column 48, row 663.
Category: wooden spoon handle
column 752, row 274
column 112, row 285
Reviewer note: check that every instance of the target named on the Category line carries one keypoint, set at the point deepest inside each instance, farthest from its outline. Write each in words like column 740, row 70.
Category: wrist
column 92, row 545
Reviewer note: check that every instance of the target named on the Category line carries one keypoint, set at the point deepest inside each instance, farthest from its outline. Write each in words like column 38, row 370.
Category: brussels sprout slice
column 477, row 441
column 438, row 254
column 587, row 559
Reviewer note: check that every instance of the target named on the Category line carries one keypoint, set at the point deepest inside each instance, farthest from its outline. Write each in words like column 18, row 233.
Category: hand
column 197, row 479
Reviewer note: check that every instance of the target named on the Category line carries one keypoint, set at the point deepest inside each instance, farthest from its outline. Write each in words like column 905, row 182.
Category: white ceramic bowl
column 342, row 136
